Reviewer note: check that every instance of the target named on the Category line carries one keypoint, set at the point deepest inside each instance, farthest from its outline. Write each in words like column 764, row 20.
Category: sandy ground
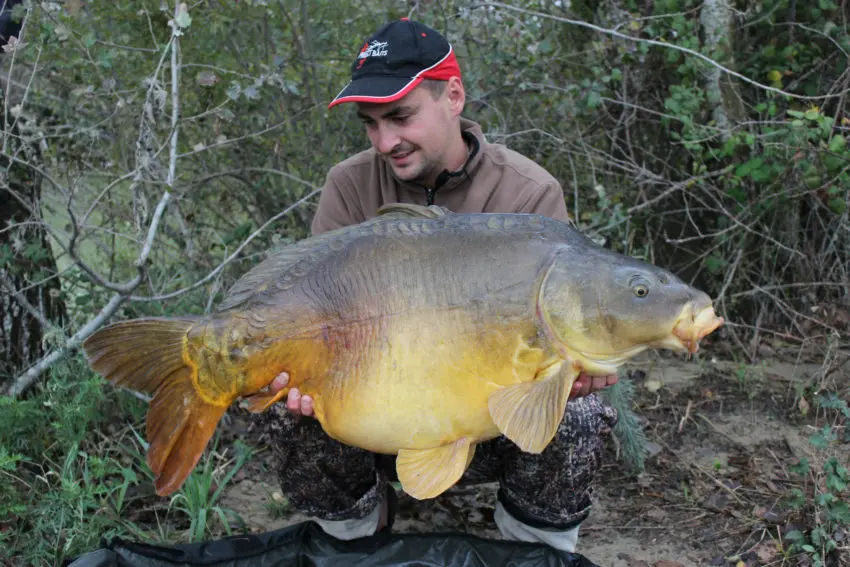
column 721, row 440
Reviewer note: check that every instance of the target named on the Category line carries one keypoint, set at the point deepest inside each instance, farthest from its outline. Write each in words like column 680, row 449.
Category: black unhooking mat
column 307, row 545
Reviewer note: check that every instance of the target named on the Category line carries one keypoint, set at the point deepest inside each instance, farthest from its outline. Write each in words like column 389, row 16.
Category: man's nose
column 385, row 139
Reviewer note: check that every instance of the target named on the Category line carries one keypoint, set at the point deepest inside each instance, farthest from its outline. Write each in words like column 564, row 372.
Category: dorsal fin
column 412, row 211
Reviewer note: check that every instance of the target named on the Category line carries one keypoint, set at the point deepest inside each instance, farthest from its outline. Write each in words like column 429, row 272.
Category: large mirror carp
column 419, row 333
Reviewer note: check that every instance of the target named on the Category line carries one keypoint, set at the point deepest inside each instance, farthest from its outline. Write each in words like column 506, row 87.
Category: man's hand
column 586, row 384
column 303, row 405
column 295, row 402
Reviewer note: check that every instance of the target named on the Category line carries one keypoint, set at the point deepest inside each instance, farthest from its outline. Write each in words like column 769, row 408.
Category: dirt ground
column 722, row 439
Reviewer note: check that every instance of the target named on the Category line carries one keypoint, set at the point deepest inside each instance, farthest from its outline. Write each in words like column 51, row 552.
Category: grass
column 74, row 474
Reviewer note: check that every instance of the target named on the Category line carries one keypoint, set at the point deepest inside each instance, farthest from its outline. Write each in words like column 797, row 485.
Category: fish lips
column 694, row 325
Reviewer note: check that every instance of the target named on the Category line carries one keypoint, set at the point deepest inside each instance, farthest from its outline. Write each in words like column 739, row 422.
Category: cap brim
column 376, row 89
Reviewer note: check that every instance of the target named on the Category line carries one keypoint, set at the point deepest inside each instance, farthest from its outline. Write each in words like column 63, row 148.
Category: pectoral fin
column 529, row 413
column 427, row 473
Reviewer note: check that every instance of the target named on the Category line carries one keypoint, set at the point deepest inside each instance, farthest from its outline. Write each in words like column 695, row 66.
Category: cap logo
column 374, row 49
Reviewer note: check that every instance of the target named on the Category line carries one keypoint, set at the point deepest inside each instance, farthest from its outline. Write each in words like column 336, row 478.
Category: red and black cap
column 395, row 59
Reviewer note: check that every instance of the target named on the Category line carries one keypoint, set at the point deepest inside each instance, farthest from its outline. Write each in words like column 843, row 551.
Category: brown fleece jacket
column 495, row 179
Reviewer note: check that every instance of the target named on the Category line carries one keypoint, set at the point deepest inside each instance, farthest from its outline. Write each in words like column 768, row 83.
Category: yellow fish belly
column 423, row 380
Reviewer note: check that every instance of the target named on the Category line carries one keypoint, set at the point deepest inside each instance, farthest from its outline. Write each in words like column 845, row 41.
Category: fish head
column 602, row 308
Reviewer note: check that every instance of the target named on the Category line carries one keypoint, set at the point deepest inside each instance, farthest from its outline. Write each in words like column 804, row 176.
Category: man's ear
column 456, row 95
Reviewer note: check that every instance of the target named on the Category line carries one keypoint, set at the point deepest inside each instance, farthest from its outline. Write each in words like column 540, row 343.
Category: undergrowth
column 73, row 469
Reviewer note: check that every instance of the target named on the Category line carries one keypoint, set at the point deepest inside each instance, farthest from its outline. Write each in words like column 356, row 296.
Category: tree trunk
column 718, row 26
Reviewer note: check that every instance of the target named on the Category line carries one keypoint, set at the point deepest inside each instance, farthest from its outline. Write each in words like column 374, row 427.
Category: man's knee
column 320, row 476
column 554, row 488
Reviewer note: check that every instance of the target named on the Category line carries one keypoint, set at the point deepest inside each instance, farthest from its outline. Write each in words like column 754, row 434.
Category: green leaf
column 840, row 512
column 802, row 467
column 715, row 264
column 837, row 143
column 837, row 205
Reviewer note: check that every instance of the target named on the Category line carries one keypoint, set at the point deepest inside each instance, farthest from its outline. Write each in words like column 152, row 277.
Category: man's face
column 412, row 134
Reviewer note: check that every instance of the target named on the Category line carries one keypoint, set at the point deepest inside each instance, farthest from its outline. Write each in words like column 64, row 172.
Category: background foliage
column 740, row 187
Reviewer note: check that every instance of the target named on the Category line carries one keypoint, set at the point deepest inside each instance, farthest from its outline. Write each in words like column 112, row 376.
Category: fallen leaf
column 766, row 552
column 717, row 501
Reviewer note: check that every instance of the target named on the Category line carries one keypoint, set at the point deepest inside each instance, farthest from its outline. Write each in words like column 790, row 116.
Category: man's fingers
column 279, row 383
column 306, row 405
column 581, row 386
column 586, row 384
column 293, row 400
column 599, row 382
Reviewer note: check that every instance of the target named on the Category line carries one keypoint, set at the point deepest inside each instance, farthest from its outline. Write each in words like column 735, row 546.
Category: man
column 407, row 86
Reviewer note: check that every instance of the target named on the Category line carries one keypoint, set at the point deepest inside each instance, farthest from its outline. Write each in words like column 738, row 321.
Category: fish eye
column 640, row 285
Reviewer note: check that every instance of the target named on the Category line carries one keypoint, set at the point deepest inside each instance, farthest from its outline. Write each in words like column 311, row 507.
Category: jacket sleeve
column 548, row 201
column 337, row 206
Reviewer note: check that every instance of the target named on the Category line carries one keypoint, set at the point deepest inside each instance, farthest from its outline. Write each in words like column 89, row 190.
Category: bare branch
column 251, row 135
column 235, row 172
column 230, row 258
column 9, row 85
column 29, row 307
column 25, row 380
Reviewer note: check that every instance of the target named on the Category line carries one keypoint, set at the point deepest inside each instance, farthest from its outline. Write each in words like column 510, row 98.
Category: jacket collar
column 473, row 135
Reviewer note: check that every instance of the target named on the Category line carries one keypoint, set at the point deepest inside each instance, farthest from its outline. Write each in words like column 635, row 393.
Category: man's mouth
column 400, row 156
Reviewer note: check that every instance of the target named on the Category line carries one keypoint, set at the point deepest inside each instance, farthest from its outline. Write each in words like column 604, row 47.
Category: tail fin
column 149, row 355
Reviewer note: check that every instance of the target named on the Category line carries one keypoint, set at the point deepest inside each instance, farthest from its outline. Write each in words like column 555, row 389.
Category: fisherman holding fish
column 436, row 335
column 406, row 84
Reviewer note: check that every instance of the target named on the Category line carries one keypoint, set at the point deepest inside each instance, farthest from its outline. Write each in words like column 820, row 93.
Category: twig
column 11, row 73
column 229, row 259
column 25, row 380
column 26, row 91
column 686, row 416
column 679, row 186
column 202, row 180
column 730, row 275
column 251, row 135
column 675, row 47
column 29, row 307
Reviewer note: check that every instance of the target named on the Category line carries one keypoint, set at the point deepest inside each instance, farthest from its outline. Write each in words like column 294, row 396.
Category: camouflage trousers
column 329, row 480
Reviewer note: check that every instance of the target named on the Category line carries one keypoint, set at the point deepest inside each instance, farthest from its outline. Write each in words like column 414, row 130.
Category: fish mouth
column 693, row 326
